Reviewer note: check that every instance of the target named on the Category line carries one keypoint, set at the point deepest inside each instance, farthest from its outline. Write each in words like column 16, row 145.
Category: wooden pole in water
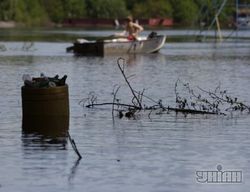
column 73, row 144
column 236, row 16
column 218, row 28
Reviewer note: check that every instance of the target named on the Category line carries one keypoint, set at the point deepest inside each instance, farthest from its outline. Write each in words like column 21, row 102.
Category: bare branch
column 118, row 104
column 126, row 79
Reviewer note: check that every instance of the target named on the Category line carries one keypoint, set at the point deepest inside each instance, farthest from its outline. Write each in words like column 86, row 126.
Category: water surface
column 160, row 153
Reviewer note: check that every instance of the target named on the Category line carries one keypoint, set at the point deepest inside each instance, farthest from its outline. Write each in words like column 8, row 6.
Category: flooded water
column 153, row 153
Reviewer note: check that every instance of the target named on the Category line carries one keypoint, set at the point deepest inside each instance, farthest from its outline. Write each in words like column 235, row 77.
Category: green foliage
column 106, row 8
column 185, row 12
column 74, row 8
column 130, row 3
column 5, row 14
column 30, row 12
column 61, row 9
column 54, row 9
column 152, row 9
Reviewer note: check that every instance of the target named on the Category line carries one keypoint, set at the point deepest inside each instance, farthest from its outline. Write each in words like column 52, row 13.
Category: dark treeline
column 43, row 12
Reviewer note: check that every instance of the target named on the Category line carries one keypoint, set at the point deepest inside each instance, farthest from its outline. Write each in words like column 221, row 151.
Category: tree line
column 42, row 12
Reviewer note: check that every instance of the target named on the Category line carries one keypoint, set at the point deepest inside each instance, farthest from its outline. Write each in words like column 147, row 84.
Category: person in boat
column 132, row 29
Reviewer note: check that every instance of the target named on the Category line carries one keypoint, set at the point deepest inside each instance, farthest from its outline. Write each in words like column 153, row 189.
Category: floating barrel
column 46, row 110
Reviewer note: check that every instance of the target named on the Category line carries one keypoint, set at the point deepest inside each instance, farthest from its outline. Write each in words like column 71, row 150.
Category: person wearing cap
column 132, row 29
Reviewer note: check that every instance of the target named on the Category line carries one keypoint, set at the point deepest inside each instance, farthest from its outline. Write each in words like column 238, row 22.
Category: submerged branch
column 155, row 107
column 117, row 104
column 193, row 101
column 235, row 104
column 126, row 79
column 192, row 111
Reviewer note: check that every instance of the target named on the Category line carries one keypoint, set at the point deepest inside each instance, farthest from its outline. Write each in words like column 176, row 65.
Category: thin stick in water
column 119, row 60
column 73, row 144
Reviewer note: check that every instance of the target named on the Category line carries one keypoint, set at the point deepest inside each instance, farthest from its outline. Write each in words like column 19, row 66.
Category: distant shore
column 7, row 24
column 85, row 22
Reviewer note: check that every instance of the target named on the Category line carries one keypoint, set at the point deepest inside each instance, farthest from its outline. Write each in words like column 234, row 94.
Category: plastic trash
column 43, row 81
column 27, row 77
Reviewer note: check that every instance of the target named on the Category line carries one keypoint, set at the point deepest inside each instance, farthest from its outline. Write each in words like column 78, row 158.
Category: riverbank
column 85, row 22
column 101, row 23
column 7, row 24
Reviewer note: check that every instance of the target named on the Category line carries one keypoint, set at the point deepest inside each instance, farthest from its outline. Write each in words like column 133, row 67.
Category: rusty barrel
column 45, row 110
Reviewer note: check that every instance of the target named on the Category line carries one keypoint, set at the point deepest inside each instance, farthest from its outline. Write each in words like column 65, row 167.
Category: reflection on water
column 44, row 132
column 73, row 170
column 34, row 141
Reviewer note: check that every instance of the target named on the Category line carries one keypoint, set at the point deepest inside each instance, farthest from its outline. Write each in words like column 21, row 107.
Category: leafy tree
column 54, row 9
column 29, row 12
column 38, row 12
column 5, row 13
column 106, row 8
column 74, row 8
column 130, row 3
column 208, row 10
column 153, row 8
column 185, row 12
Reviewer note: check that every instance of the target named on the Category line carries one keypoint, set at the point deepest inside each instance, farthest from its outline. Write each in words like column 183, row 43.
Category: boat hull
column 118, row 46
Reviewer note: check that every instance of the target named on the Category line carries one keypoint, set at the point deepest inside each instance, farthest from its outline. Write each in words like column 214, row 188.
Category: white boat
column 243, row 23
column 151, row 44
column 243, row 16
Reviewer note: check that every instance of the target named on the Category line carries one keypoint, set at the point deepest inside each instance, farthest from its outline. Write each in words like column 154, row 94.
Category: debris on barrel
column 43, row 81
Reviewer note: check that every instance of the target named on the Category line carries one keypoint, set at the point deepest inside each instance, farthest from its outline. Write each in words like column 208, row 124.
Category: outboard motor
column 152, row 35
